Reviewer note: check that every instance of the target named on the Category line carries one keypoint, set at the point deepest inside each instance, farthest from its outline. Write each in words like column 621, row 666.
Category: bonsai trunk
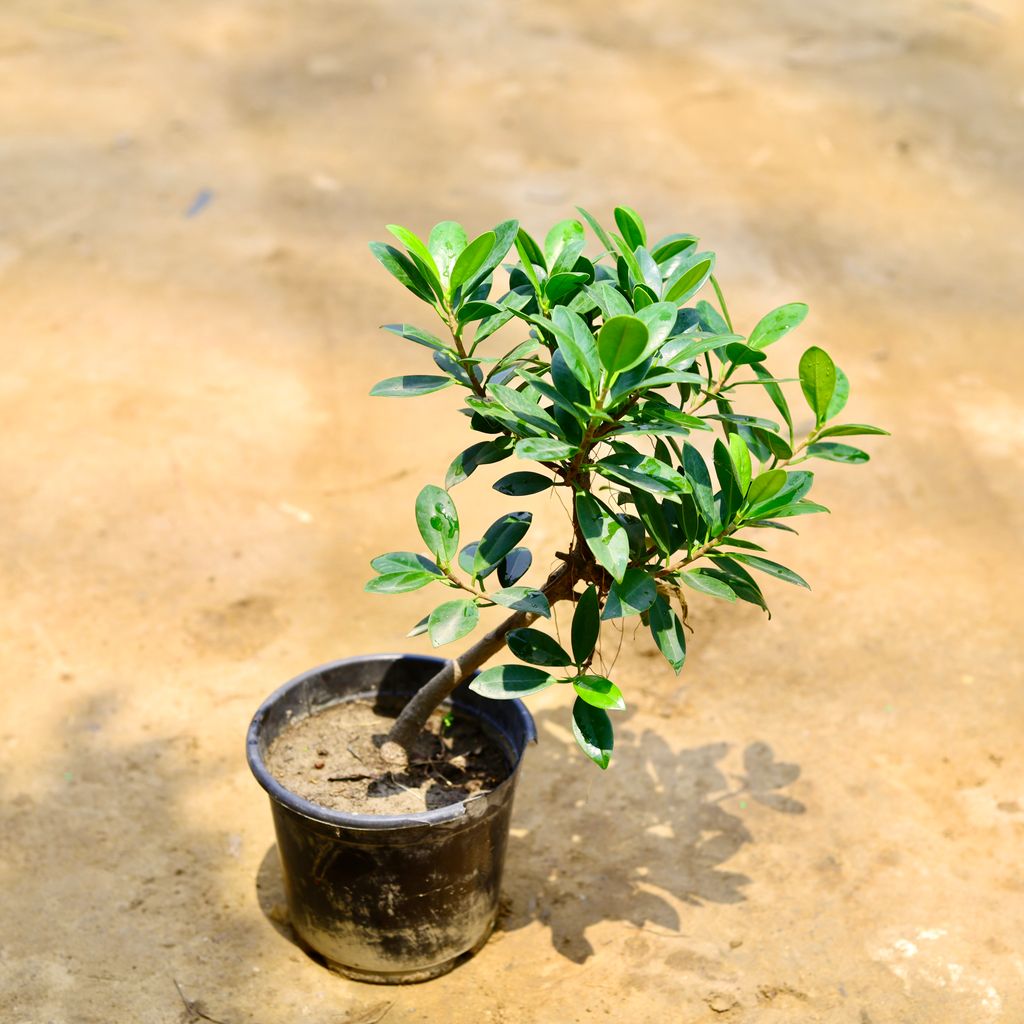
column 420, row 707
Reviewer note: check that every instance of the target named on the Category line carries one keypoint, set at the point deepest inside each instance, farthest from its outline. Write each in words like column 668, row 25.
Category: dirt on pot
column 333, row 759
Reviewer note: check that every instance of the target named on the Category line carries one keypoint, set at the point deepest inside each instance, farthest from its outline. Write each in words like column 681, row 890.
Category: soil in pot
column 332, row 759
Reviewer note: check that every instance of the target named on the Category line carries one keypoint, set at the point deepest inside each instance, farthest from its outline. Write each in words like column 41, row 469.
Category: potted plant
column 638, row 404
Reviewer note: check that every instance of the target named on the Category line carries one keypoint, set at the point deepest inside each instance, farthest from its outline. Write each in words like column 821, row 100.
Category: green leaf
column 537, row 648
column 710, row 319
column 690, row 277
column 796, row 485
column 672, row 245
column 544, row 449
column 399, row 266
column 399, row 582
column 653, row 518
column 482, row 453
column 418, row 335
column 635, row 594
column 797, row 508
column 632, row 227
column 514, row 566
column 414, row 244
column 780, row 572
column 766, row 485
column 668, row 633
column 525, row 408
column 564, row 233
column 621, row 343
column 452, row 621
column 817, row 380
column 839, row 396
column 725, row 470
column 471, row 259
column 559, row 286
column 644, row 471
column 519, row 484
column 586, row 625
column 593, row 732
column 599, row 692
column 776, row 324
column 506, row 682
column 700, row 481
column 578, row 347
column 838, row 453
column 500, row 538
column 504, row 236
column 420, row 628
column 404, row 561
column 741, row 461
column 702, row 580
column 522, row 599
column 410, row 386
column 605, row 535
column 446, row 243
column 850, row 429
column 438, row 523
column 659, row 318
column 602, row 235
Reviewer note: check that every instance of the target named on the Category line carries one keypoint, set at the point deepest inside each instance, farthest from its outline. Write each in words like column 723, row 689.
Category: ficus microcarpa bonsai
column 625, row 392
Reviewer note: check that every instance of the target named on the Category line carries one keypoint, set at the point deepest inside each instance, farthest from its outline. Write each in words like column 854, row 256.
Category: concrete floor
column 193, row 481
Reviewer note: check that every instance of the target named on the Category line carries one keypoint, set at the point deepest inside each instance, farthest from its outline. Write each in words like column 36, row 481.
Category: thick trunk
column 415, row 714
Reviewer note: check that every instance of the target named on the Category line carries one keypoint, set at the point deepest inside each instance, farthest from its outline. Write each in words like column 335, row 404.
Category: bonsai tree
column 613, row 376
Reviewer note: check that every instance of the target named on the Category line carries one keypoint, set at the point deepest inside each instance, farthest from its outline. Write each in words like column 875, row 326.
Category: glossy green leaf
column 605, row 535
column 446, row 243
column 518, row 484
column 668, row 633
column 452, row 621
column 697, row 473
column 419, row 336
column 558, row 287
column 399, row 582
column 797, row 508
column 839, row 396
column 586, row 625
column 403, row 269
column 410, row 386
column 644, row 471
column 775, row 393
column 710, row 319
column 690, row 277
column 471, row 259
column 522, row 599
column 483, row 453
column 850, row 430
column 635, row 594
column 766, row 485
column 514, row 566
column 776, row 324
column 506, row 682
column 500, row 538
column 780, row 572
column 414, row 244
column 602, row 235
column 740, row 461
column 653, row 518
column 834, row 452
column 578, row 346
column 544, row 449
column 404, row 561
column 593, row 732
column 817, row 380
column 537, row 648
column 702, row 580
column 438, row 523
column 599, row 692
column 525, row 408
column 621, row 343
column 725, row 470
column 565, row 232
column 631, row 226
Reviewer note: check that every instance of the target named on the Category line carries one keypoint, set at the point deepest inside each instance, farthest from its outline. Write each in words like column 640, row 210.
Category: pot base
column 407, row 977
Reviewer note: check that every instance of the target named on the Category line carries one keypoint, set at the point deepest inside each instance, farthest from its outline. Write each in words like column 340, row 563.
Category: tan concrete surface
column 193, row 482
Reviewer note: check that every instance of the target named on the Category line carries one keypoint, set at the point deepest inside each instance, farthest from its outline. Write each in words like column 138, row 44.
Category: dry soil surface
column 822, row 819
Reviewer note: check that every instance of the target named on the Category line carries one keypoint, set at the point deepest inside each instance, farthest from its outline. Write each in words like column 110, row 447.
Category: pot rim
column 307, row 809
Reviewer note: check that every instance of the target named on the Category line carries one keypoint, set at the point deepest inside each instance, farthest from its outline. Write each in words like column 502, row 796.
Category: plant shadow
column 660, row 830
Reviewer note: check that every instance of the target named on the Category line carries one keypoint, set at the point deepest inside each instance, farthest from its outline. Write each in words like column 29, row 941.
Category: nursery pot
column 390, row 898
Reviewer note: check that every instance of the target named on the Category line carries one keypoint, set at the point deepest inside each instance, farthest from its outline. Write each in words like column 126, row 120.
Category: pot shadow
column 621, row 854
column 658, row 831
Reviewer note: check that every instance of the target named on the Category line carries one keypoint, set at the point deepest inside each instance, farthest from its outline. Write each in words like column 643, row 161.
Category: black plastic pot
column 390, row 898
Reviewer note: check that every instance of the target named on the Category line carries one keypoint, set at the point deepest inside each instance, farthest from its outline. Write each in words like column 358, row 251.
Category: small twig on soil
column 373, row 1015
column 194, row 1011
column 356, row 777
column 353, row 753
